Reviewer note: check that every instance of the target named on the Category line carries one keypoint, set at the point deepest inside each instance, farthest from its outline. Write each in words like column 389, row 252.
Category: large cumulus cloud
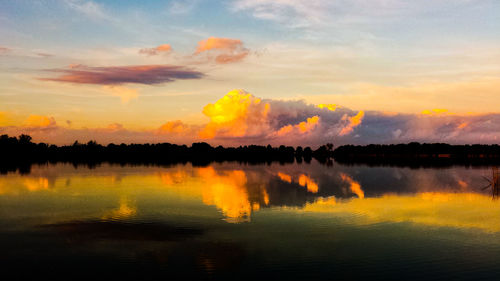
column 240, row 118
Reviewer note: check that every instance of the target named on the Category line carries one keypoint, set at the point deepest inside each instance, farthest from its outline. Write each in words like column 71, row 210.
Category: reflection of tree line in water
column 18, row 153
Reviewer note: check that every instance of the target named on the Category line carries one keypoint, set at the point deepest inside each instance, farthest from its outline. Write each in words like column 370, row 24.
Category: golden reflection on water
column 353, row 185
column 226, row 190
column 303, row 180
column 126, row 209
column 459, row 210
column 238, row 193
column 20, row 185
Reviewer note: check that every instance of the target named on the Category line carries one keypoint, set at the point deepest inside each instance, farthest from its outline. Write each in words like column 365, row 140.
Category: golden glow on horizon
column 3, row 119
column 39, row 121
column 436, row 111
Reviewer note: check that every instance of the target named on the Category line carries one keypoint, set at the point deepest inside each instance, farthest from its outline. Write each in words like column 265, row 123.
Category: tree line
column 21, row 150
column 415, row 154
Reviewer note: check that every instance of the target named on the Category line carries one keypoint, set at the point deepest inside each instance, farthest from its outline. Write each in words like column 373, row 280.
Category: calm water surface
column 232, row 221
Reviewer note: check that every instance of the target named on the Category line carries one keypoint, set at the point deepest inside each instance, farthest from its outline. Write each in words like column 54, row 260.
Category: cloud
column 353, row 122
column 331, row 106
column 174, row 127
column 88, row 8
column 301, row 128
column 125, row 94
column 239, row 118
column 116, row 75
column 294, row 13
column 182, row 7
column 237, row 114
column 240, row 115
column 436, row 111
column 44, row 55
column 223, row 50
column 39, row 121
column 4, row 50
column 162, row 49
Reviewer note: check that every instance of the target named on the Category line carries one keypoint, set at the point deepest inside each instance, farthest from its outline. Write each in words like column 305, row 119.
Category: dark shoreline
column 19, row 153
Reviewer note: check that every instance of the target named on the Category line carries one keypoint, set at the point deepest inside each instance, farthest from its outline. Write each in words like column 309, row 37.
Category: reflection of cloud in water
column 353, row 185
column 36, row 184
column 227, row 190
column 303, row 180
column 18, row 185
column 284, row 177
column 309, row 183
column 125, row 210
column 459, row 210
column 174, row 177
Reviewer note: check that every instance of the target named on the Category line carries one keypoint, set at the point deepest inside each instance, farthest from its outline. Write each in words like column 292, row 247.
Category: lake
column 237, row 221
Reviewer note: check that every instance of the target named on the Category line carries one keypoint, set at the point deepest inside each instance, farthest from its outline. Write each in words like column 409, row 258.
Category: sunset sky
column 251, row 71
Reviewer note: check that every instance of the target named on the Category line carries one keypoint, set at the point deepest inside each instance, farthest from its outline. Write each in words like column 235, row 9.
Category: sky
column 251, row 71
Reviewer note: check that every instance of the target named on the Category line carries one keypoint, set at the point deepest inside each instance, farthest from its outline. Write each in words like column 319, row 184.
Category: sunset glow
column 284, row 72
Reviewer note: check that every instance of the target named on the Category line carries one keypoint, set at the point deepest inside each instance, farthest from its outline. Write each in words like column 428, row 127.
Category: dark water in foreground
column 239, row 222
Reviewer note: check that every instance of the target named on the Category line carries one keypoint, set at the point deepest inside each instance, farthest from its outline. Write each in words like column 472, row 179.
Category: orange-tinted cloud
column 463, row 125
column 302, row 127
column 115, row 127
column 237, row 114
column 39, row 121
column 116, row 75
column 353, row 122
column 174, row 127
column 219, row 44
column 225, row 50
column 162, row 49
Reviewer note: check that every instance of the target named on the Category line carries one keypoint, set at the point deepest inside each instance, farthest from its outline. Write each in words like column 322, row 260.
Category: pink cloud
column 4, row 50
column 162, row 49
column 115, row 75
column 224, row 50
